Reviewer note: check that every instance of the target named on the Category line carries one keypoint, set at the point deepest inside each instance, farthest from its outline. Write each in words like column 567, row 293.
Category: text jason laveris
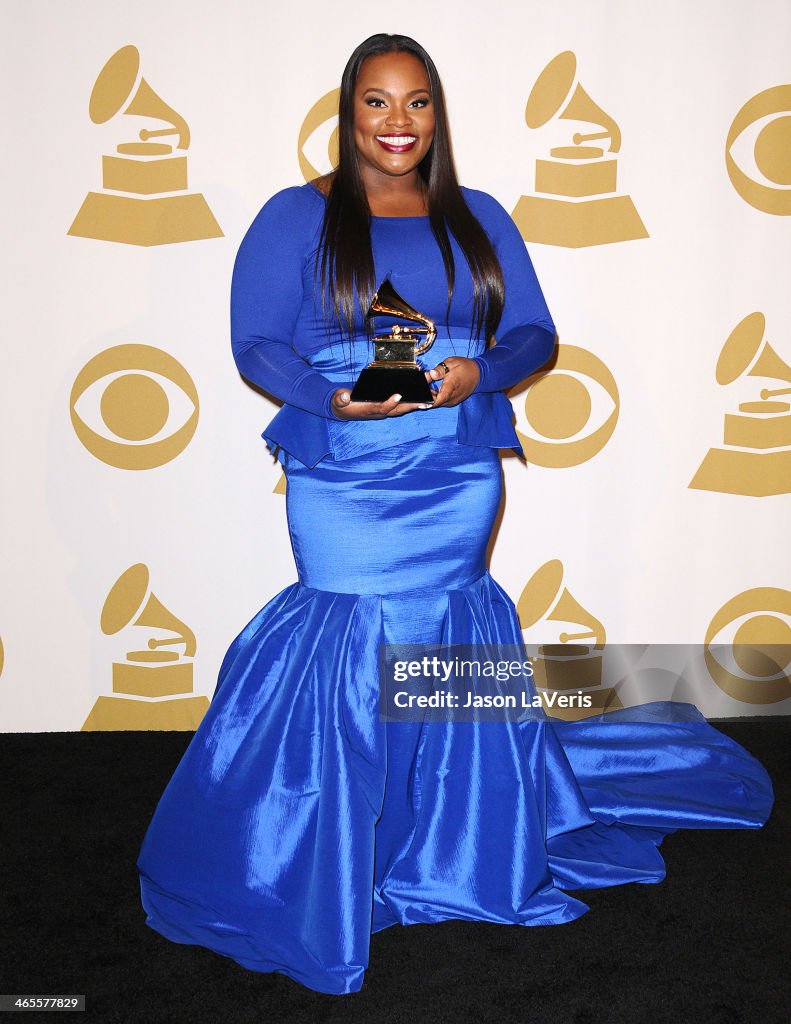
column 447, row 699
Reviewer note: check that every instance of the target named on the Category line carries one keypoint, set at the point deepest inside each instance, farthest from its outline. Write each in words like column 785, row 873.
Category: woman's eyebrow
column 375, row 88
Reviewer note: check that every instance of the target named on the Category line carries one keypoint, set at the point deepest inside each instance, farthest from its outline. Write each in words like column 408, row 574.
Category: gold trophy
column 394, row 370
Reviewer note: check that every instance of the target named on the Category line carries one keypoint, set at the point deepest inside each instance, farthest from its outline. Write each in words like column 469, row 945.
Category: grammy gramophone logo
column 753, row 664
column 756, row 457
column 768, row 187
column 145, row 199
column 152, row 683
column 134, row 406
column 320, row 116
column 571, row 410
column 576, row 202
column 569, row 664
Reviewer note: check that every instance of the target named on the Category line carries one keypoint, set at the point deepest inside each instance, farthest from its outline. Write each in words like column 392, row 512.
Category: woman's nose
column 398, row 118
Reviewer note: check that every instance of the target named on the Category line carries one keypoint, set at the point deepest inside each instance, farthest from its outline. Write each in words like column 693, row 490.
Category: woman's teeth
column 397, row 140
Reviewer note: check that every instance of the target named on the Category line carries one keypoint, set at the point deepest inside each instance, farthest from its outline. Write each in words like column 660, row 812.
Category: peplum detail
column 484, row 420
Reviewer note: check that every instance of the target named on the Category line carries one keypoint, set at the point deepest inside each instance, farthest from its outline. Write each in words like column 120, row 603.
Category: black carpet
column 709, row 944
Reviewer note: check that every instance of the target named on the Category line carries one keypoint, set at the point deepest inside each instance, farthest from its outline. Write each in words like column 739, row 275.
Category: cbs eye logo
column 318, row 155
column 752, row 658
column 571, row 411
column 130, row 393
column 769, row 116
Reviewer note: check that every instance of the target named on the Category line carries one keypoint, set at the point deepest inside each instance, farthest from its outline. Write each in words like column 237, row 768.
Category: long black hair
column 345, row 257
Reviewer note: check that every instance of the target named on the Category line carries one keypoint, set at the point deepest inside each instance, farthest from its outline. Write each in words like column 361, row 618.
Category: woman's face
column 393, row 115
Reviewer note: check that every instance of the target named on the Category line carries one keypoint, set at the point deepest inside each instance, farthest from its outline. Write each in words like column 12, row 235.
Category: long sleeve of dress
column 266, row 297
column 526, row 332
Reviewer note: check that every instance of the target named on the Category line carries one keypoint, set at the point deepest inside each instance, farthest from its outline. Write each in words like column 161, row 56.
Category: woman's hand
column 459, row 377
column 458, row 382
column 345, row 409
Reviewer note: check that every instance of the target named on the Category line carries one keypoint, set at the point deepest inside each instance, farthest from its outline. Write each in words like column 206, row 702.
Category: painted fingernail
column 397, row 398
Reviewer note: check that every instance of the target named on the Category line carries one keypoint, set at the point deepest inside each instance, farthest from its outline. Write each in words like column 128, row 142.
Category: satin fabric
column 298, row 822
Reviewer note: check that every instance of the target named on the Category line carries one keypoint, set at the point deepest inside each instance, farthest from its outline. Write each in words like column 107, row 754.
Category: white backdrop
column 647, row 556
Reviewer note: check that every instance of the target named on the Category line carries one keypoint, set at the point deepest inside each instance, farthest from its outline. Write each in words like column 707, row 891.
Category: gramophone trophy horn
column 113, row 88
column 545, row 597
column 569, row 664
column 746, row 351
column 568, row 609
column 148, row 104
column 552, row 90
column 582, row 108
column 124, row 606
column 394, row 369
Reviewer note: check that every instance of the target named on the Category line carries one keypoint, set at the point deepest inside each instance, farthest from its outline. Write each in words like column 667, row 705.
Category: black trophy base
column 378, row 383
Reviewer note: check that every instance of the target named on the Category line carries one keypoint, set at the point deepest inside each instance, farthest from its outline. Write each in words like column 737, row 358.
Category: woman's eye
column 420, row 103
column 375, row 102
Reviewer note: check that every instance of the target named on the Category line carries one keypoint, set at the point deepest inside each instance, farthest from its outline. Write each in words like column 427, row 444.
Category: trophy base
column 576, row 224
column 112, row 714
column 135, row 220
column 757, row 474
column 378, row 383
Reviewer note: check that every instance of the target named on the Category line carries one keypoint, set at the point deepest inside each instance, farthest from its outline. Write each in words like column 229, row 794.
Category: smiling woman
column 299, row 821
column 393, row 132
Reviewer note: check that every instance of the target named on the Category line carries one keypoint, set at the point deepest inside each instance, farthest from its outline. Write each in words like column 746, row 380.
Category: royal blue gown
column 298, row 821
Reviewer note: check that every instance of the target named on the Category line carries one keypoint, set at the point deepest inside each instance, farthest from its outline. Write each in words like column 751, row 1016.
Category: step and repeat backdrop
column 643, row 150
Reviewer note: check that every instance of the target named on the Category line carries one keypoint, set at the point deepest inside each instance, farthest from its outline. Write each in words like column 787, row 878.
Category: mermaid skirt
column 298, row 821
